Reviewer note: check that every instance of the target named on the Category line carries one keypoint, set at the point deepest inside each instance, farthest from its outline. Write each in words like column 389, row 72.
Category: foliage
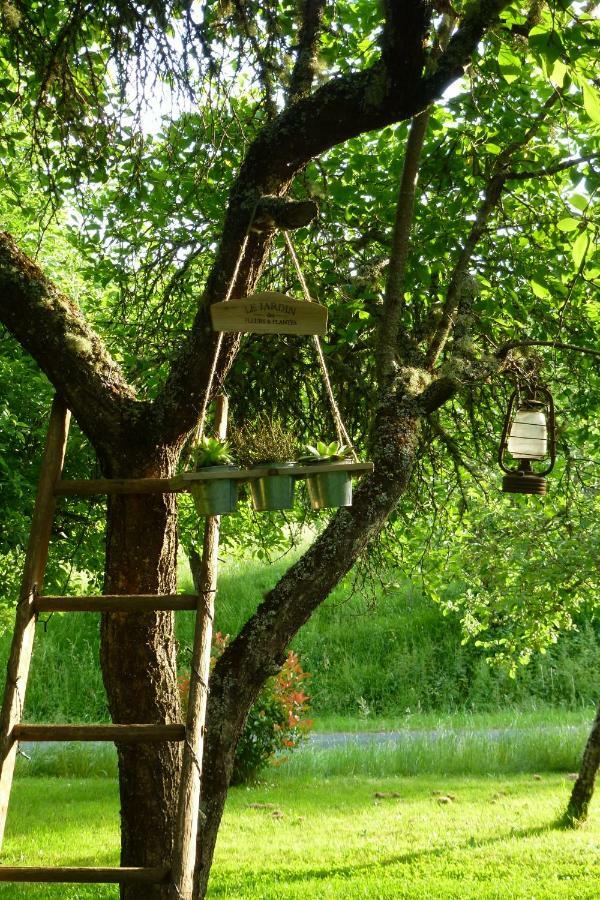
column 266, row 439
column 276, row 723
column 212, row 452
column 124, row 207
column 76, row 555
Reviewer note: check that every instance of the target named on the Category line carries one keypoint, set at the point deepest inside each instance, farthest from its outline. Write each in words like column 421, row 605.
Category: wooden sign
column 270, row 313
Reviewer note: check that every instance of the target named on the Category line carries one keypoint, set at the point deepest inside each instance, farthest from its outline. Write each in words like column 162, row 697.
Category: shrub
column 277, row 722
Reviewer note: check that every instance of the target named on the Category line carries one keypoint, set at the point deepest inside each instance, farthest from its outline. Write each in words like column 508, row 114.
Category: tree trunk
column 577, row 809
column 138, row 654
column 195, row 561
column 259, row 649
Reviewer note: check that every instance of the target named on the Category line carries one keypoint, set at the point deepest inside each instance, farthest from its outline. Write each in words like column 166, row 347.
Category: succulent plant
column 212, row 452
column 334, row 450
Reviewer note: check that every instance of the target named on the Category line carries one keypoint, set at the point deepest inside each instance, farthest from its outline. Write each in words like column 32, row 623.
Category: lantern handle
column 551, row 428
column 505, row 427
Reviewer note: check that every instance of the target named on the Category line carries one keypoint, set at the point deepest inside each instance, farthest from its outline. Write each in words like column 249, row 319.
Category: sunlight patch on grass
column 293, row 838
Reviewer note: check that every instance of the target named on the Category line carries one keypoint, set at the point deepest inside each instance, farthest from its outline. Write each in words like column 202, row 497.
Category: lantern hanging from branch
column 528, row 436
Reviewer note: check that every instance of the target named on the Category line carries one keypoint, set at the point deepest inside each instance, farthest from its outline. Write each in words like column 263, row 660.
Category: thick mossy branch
column 305, row 67
column 283, row 214
column 55, row 332
column 480, row 16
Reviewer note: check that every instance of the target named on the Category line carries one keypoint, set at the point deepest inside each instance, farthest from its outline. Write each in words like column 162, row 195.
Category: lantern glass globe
column 528, row 436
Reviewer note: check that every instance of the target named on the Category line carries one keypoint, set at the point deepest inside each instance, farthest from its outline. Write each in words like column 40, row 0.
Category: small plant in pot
column 328, row 489
column 215, row 497
column 263, row 444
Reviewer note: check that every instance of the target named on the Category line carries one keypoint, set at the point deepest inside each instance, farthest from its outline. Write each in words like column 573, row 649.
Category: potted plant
column 267, row 443
column 327, row 489
column 214, row 497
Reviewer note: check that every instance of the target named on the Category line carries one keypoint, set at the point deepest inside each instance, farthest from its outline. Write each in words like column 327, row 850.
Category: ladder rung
column 85, row 875
column 126, row 733
column 116, row 603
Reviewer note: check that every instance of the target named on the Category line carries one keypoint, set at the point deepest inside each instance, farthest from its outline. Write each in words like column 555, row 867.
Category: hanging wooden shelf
column 270, row 312
column 180, row 483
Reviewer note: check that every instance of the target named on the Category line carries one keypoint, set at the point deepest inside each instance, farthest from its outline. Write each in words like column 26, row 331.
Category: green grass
column 511, row 717
column 447, row 751
column 389, row 658
column 332, row 837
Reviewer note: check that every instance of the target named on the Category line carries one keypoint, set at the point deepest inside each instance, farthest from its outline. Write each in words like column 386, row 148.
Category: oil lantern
column 529, row 437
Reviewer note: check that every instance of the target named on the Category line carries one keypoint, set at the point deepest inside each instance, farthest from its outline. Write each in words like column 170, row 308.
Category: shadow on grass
column 403, row 858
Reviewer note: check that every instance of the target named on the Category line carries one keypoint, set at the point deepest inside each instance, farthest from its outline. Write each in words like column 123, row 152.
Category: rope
column 342, row 434
column 213, row 369
column 341, row 431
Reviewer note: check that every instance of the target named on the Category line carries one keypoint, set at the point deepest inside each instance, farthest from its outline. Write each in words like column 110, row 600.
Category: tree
column 272, row 91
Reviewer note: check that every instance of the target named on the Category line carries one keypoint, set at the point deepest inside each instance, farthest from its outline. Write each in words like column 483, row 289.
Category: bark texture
column 577, row 809
column 138, row 655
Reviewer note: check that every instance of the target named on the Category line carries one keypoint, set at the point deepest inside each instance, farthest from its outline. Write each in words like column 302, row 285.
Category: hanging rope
column 213, row 369
column 342, row 434
column 341, row 431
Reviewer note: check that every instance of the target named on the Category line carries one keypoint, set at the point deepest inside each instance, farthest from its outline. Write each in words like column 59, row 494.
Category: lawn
column 298, row 837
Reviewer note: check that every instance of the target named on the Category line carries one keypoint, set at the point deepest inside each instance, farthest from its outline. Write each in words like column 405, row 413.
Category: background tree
column 257, row 102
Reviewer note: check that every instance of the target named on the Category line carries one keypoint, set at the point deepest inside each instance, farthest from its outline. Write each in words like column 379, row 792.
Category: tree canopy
column 439, row 165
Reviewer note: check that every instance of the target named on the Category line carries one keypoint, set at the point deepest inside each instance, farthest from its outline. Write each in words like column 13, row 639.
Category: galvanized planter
column 328, row 489
column 217, row 497
column 273, row 491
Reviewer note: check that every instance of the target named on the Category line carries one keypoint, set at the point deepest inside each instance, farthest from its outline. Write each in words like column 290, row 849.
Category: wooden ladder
column 31, row 602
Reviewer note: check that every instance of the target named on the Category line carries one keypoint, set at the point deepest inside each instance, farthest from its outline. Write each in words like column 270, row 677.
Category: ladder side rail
column 183, row 861
column 33, row 574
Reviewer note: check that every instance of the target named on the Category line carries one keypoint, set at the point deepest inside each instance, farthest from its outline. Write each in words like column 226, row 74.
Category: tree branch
column 305, row 68
column 552, row 170
column 389, row 91
column 72, row 355
column 491, row 199
column 393, row 301
column 478, row 18
column 284, row 214
column 503, row 351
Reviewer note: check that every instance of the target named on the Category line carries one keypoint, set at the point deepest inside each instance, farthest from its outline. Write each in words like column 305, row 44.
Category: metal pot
column 215, row 497
column 329, row 489
column 273, row 491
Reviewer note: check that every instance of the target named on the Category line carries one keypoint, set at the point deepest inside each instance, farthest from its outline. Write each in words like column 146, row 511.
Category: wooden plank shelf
column 296, row 470
column 85, row 874
column 180, row 483
column 131, row 734
column 116, row 603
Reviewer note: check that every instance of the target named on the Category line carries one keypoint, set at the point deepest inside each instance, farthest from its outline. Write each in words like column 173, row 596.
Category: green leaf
column 568, row 224
column 579, row 202
column 539, row 290
column 559, row 70
column 510, row 65
column 579, row 248
column 591, row 101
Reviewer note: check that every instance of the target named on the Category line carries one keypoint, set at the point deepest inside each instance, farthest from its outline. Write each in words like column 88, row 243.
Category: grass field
column 500, row 746
column 298, row 837
column 388, row 658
